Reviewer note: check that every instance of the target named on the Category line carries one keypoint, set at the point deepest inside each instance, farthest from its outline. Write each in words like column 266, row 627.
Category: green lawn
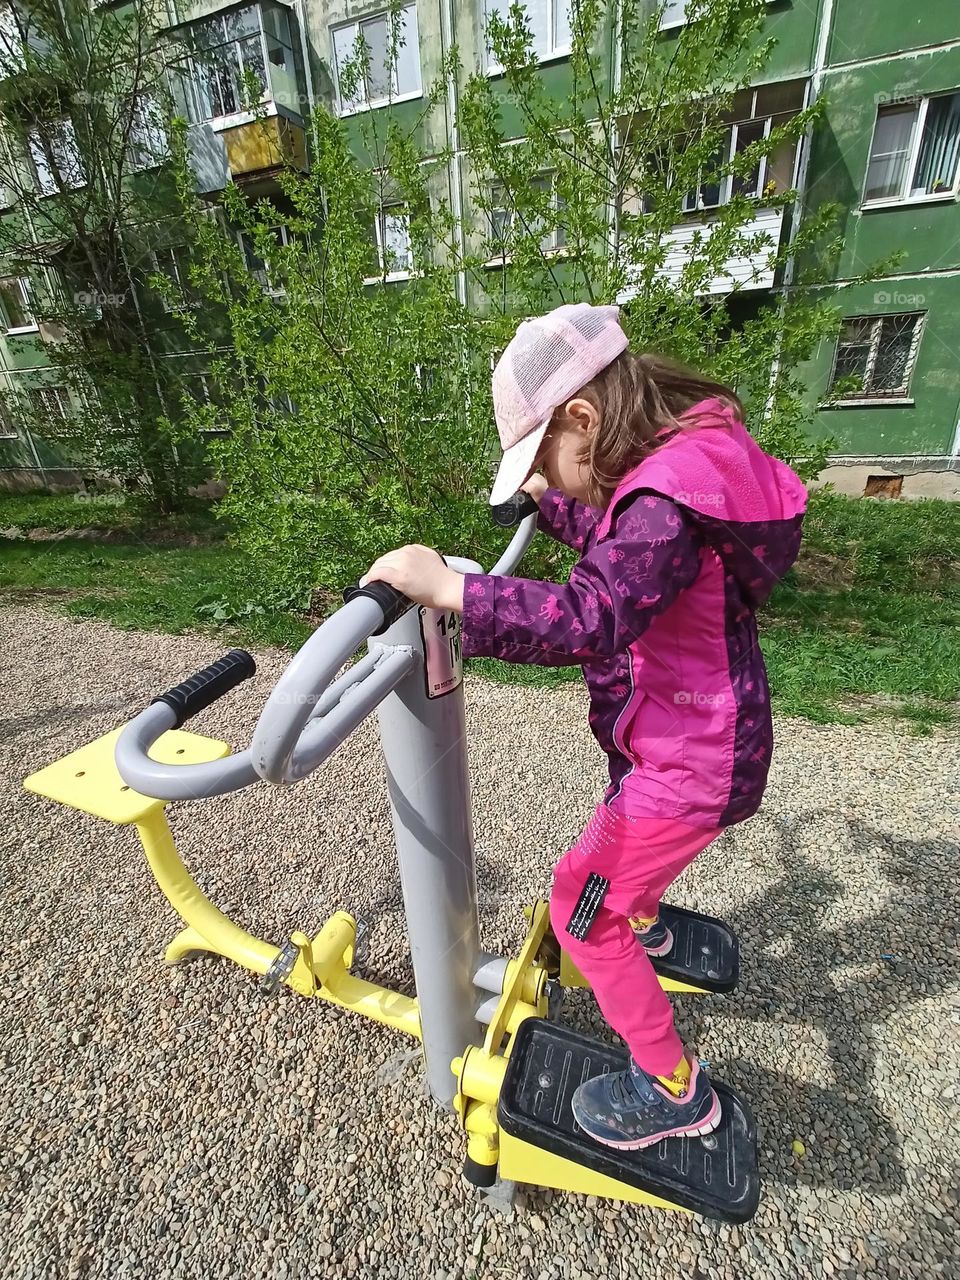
column 867, row 623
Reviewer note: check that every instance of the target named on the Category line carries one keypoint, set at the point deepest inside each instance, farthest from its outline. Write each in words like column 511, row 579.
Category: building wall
column 880, row 53
column 912, row 250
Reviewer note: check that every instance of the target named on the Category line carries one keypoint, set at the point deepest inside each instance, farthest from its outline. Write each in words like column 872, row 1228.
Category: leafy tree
column 356, row 372
column 84, row 162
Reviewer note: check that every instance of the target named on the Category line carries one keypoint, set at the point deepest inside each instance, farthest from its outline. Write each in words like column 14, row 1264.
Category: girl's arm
column 613, row 594
column 566, row 519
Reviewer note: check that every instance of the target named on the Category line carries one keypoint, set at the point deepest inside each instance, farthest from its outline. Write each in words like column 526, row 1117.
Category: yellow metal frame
column 480, row 1073
column 88, row 780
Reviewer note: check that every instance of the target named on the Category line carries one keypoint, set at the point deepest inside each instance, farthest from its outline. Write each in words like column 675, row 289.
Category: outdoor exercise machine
column 492, row 1048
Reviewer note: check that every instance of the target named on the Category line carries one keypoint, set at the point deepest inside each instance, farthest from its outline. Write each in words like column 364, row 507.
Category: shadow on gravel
column 801, row 974
column 61, row 714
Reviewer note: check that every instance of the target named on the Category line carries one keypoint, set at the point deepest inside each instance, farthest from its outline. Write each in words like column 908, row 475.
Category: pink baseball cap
column 546, row 362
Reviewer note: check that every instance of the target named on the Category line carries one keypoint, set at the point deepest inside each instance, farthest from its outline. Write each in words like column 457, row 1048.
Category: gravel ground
column 174, row 1123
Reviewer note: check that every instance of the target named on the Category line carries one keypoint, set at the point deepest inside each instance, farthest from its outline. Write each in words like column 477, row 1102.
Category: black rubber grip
column 510, row 513
column 197, row 692
column 393, row 602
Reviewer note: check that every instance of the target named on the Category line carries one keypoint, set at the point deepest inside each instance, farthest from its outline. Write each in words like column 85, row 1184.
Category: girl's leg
column 637, row 860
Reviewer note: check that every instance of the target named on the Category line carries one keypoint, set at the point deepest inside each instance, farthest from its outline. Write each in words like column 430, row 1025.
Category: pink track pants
column 641, row 857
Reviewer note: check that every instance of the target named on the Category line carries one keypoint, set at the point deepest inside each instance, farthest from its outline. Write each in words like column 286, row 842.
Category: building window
column 391, row 236
column 549, row 21
column 202, row 390
column 716, row 188
column 173, row 263
column 505, row 224
column 756, row 112
column 393, row 70
column 256, row 265
column 148, row 137
column 8, row 427
column 16, row 305
column 56, row 141
column 237, row 60
column 675, row 13
column 875, row 357
column 915, row 151
column 12, row 57
column 50, row 405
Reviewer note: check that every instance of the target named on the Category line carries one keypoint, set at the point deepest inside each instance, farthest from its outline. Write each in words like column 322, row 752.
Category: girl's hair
column 638, row 397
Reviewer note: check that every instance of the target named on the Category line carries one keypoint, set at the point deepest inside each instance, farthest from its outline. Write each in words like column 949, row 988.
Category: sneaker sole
column 698, row 1130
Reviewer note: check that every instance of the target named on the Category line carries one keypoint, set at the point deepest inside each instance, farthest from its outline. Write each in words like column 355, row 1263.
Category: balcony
column 239, row 82
column 256, row 151
column 756, row 112
column 740, row 271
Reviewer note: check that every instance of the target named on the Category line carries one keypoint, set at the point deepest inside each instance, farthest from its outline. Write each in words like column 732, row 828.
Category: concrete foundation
column 922, row 477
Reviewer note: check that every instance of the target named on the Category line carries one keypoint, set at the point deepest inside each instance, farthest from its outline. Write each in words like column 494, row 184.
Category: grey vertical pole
column 425, row 755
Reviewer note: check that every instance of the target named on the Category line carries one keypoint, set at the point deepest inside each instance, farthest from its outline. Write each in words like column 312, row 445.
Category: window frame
column 866, row 397
column 922, row 103
column 61, row 398
column 8, row 427
column 25, row 289
column 245, row 242
column 554, row 250
column 189, row 63
column 727, row 180
column 203, row 378
column 674, row 24
column 373, row 104
column 179, row 278
column 379, row 229
column 554, row 52
column 146, row 128
column 13, row 56
column 33, row 148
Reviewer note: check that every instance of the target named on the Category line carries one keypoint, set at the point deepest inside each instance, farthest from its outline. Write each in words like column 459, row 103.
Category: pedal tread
column 705, row 951
column 546, row 1064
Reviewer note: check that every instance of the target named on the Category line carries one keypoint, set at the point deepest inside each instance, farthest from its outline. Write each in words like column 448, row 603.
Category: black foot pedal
column 715, row 1176
column 705, row 953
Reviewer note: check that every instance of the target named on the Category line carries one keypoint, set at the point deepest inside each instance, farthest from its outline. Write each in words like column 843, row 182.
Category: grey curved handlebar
column 308, row 714
column 285, row 747
column 174, row 781
column 517, row 548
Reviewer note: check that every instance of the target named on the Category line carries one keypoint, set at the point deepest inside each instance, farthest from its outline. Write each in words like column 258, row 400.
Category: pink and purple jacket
column 660, row 612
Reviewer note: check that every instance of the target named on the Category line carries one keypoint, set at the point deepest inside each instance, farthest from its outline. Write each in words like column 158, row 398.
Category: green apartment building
column 887, row 152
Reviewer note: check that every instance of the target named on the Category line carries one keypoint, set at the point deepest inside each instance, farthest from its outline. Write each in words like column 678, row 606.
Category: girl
column 683, row 526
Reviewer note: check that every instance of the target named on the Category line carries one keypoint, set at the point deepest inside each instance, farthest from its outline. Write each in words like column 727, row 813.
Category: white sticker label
column 442, row 650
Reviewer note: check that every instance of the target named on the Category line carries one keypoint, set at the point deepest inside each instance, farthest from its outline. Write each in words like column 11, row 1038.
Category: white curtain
column 892, row 139
column 939, row 148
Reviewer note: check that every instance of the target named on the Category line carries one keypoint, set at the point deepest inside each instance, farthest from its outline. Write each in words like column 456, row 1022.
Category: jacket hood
column 748, row 505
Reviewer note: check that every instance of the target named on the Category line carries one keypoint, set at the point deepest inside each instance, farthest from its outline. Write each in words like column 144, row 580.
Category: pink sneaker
column 656, row 938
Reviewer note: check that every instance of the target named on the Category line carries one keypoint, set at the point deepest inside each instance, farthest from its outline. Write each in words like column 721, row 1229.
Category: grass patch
column 59, row 513
column 866, row 625
column 139, row 587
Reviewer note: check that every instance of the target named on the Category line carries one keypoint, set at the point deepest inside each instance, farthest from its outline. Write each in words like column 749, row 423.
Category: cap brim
column 516, row 465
